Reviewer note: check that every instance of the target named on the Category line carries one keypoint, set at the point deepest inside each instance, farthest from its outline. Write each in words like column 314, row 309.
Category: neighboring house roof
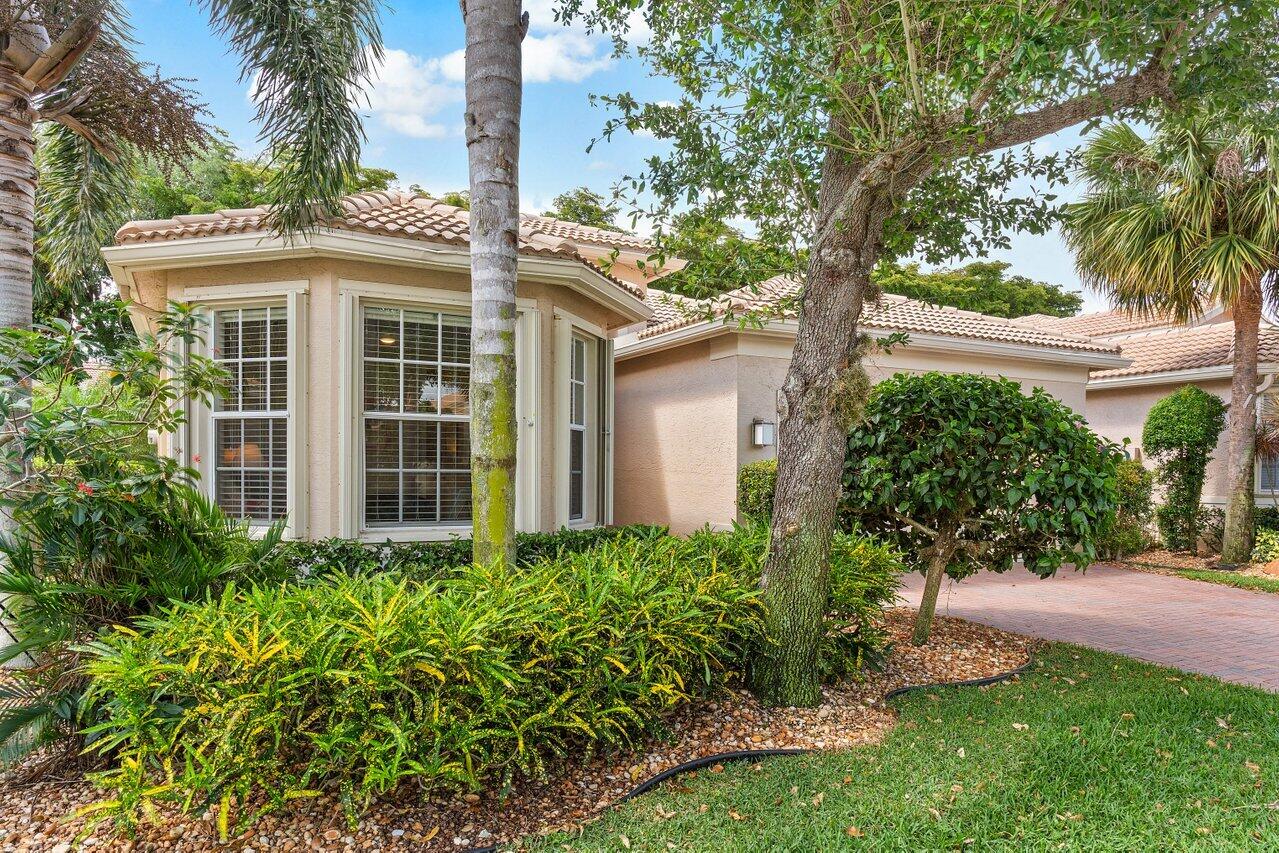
column 1096, row 324
column 578, row 233
column 892, row 314
column 1187, row 348
column 385, row 213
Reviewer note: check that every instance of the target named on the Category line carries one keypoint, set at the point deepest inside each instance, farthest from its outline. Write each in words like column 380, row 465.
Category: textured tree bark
column 17, row 198
column 494, row 33
column 821, row 397
column 1241, row 427
column 943, row 549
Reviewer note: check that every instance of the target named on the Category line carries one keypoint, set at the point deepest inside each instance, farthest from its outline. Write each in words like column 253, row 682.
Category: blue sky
column 414, row 116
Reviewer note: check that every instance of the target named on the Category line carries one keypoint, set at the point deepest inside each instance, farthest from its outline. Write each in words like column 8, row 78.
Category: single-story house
column 1165, row 356
column 349, row 352
column 697, row 392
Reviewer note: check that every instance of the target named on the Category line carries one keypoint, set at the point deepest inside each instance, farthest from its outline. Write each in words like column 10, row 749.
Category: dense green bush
column 373, row 680
column 1127, row 535
column 1266, row 518
column 1266, row 547
column 363, row 682
column 1180, row 434
column 865, row 575
column 756, row 482
column 428, row 560
column 1212, row 527
column 105, row 528
column 965, row 472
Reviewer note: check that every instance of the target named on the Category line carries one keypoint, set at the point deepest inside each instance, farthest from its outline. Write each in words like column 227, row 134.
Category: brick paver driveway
column 1201, row 627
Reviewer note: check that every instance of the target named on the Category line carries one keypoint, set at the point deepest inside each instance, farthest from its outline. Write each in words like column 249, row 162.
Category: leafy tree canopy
column 981, row 286
column 966, row 472
column 939, row 97
column 583, row 205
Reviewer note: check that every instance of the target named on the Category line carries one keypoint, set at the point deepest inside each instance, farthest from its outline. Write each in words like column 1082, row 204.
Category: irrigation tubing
column 753, row 755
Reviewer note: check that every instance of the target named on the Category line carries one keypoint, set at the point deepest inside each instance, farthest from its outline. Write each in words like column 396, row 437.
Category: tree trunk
column 822, row 396
column 17, row 238
column 494, row 33
column 943, row 549
column 17, row 198
column 1241, row 427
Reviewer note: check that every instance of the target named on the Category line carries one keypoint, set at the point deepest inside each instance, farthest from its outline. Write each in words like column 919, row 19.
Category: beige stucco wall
column 326, row 338
column 1120, row 413
column 675, row 439
column 690, row 410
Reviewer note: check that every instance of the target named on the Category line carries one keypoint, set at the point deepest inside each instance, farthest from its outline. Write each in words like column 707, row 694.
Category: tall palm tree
column 495, row 32
column 68, row 78
column 1186, row 219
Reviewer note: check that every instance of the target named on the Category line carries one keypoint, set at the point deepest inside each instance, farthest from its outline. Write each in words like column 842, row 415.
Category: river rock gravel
column 34, row 817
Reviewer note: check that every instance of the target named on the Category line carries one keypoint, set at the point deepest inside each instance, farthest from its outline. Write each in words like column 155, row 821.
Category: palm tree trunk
column 822, row 395
column 1241, row 429
column 494, row 33
column 17, row 198
column 17, row 234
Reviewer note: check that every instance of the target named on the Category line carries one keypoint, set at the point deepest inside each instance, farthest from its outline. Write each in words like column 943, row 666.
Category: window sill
column 414, row 534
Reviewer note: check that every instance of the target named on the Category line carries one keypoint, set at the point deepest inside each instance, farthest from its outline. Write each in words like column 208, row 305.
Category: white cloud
column 408, row 94
column 565, row 55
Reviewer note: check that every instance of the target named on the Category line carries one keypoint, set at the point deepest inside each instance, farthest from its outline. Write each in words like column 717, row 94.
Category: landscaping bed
column 31, row 817
column 1192, row 567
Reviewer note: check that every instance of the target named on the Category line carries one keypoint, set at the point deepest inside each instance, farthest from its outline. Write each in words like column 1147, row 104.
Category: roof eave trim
column 125, row 260
column 938, row 343
column 1169, row 377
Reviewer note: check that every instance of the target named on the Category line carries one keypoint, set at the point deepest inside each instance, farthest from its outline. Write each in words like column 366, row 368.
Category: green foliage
column 1127, row 535
column 771, row 93
column 1212, row 527
column 1266, row 517
column 719, row 258
column 1180, row 434
column 1266, row 547
column 105, row 528
column 756, row 482
column 424, row 561
column 865, row 575
column 266, row 694
column 586, row 207
column 1004, row 475
column 982, row 286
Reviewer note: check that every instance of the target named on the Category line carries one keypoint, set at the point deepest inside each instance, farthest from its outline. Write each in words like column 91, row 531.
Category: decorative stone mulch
column 32, row 817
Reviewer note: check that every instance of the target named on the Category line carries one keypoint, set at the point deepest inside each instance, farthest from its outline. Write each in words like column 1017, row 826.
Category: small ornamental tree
column 967, row 472
column 1180, row 434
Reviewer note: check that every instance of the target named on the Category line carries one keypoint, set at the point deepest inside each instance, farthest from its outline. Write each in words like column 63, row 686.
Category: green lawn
column 1089, row 752
column 1232, row 579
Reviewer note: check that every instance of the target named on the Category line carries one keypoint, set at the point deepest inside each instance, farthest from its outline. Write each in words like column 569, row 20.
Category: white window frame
column 195, row 444
column 597, row 482
column 353, row 296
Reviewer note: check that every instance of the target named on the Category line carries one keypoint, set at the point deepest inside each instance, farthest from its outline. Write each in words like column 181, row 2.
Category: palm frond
column 308, row 61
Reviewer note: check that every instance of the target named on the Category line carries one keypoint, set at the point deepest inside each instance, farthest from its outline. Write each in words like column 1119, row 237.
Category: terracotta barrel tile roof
column 892, row 313
column 386, row 213
column 1096, row 324
column 578, row 233
column 1188, row 348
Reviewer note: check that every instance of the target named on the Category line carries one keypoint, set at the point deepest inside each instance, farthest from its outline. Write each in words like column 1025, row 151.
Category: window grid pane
column 250, row 420
column 417, row 454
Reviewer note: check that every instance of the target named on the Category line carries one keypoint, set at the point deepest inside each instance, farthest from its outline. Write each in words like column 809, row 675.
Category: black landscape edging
column 750, row 755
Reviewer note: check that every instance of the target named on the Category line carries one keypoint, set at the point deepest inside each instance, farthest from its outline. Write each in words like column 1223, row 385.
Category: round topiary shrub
column 1180, row 434
column 966, row 472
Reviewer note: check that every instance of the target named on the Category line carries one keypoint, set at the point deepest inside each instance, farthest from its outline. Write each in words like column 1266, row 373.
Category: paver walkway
column 1201, row 627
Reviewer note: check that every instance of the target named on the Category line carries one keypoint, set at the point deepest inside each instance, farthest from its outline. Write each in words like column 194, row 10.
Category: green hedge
column 361, row 683
column 1128, row 534
column 756, row 482
column 427, row 560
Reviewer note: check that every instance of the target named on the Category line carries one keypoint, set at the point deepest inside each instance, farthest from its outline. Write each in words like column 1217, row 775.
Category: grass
column 1238, row 581
column 1091, row 751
